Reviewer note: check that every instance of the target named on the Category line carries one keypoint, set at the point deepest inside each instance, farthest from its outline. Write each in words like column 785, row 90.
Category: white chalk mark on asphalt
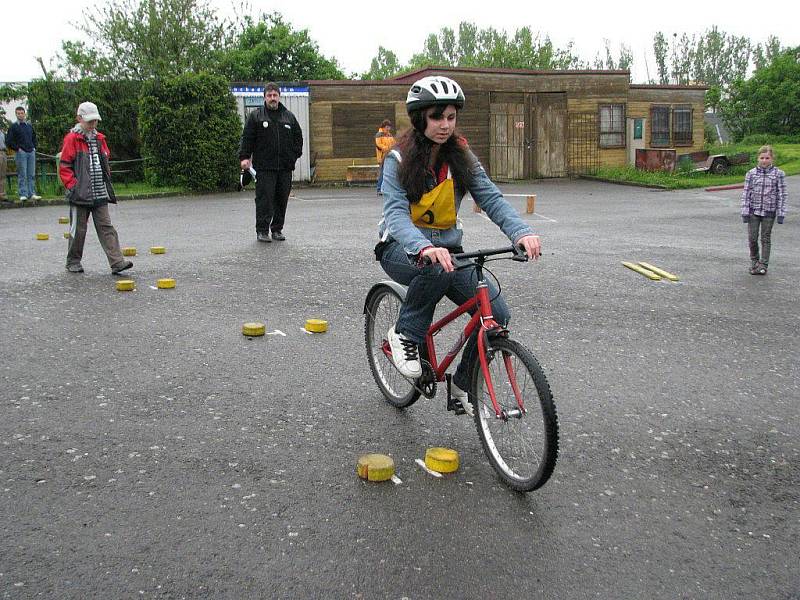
column 541, row 217
column 545, row 218
column 277, row 332
column 304, row 330
column 422, row 464
column 396, row 480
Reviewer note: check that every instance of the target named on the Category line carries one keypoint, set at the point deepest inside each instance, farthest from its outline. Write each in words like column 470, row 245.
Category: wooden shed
column 521, row 124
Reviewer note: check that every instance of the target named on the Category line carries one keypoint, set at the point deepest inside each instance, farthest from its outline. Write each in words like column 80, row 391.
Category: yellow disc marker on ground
column 165, row 284
column 642, row 271
column 316, row 325
column 375, row 467
column 42, row 236
column 129, row 251
column 657, row 271
column 442, row 460
column 126, row 285
column 66, row 235
column 254, row 329
column 63, row 220
column 157, row 250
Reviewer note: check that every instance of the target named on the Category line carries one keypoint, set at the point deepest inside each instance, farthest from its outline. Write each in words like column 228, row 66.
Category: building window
column 682, row 126
column 659, row 126
column 612, row 125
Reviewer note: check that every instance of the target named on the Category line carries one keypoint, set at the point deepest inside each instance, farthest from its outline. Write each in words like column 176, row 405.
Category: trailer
column 718, row 164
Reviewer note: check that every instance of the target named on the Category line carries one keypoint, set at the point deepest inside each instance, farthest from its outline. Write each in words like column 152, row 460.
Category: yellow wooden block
column 129, row 251
column 657, row 271
column 316, row 325
column 642, row 271
column 254, row 329
column 42, row 236
column 67, row 235
column 375, row 467
column 157, row 250
column 442, row 460
column 63, row 220
column 165, row 284
column 126, row 285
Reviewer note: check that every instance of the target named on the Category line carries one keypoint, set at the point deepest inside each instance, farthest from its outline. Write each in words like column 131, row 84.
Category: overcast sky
column 352, row 31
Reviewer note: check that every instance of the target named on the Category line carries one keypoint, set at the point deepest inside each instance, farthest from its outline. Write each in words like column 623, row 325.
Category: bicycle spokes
column 515, row 415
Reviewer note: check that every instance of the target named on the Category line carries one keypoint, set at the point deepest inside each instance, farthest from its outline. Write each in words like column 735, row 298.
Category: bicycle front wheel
column 382, row 311
column 522, row 443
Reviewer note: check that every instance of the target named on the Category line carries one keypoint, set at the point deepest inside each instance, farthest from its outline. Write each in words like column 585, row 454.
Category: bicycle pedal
column 456, row 406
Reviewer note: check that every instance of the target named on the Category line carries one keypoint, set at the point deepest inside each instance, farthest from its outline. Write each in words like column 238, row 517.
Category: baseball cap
column 88, row 112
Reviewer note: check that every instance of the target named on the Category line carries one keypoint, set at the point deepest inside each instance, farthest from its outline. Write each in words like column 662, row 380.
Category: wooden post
column 531, row 208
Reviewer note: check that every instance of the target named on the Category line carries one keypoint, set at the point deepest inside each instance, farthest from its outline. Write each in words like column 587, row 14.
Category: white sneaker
column 405, row 354
column 35, row 197
column 23, row 198
column 458, row 394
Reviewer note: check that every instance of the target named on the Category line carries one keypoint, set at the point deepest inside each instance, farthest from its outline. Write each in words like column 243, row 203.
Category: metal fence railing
column 48, row 182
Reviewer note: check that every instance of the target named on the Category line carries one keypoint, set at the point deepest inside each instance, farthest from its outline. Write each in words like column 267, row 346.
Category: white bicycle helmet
column 434, row 91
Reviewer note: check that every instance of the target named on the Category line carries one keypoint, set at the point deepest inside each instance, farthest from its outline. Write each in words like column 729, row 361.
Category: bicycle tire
column 522, row 449
column 381, row 314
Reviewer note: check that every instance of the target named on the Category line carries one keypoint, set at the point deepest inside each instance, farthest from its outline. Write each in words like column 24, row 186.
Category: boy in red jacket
column 86, row 174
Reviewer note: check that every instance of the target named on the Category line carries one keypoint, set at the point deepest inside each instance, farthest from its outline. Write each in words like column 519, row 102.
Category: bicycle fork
column 488, row 325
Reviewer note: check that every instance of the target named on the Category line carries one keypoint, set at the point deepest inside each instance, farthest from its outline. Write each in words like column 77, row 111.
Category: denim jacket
column 396, row 222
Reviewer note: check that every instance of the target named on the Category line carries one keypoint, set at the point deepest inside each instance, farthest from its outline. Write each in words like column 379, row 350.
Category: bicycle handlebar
column 518, row 252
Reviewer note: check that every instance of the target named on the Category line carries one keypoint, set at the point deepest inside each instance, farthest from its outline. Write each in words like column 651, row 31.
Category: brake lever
column 457, row 263
column 461, row 263
column 519, row 254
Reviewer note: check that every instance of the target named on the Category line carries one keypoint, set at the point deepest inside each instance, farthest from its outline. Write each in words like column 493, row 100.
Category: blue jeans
column 426, row 287
column 380, row 177
column 26, row 172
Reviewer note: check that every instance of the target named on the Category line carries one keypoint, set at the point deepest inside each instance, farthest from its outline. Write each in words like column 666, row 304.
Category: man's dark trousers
column 272, row 196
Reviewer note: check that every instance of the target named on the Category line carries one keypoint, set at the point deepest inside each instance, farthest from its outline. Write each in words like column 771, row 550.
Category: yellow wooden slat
column 642, row 271
column 657, row 271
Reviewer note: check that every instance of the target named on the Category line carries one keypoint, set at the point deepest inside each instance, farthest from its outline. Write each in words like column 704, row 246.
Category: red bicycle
column 509, row 396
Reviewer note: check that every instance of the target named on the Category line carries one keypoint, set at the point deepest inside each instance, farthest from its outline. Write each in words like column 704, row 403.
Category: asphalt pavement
column 150, row 450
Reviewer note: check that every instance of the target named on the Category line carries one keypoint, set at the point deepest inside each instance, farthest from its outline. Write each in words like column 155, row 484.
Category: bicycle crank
column 426, row 383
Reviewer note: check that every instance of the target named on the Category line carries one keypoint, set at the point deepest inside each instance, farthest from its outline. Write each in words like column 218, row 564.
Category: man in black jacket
column 21, row 139
column 272, row 141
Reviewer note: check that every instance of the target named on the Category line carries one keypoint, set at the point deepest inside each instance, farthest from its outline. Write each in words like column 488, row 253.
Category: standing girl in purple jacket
column 763, row 200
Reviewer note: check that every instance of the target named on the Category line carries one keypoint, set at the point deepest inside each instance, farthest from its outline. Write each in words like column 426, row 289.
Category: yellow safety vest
column 437, row 208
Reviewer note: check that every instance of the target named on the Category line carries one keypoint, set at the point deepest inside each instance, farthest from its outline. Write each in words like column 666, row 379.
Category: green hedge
column 53, row 105
column 190, row 128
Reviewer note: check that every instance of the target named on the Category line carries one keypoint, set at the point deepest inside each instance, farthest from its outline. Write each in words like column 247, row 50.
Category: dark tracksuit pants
column 272, row 196
column 765, row 225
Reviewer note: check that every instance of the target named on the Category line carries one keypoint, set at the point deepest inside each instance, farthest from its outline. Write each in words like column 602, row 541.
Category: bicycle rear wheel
column 382, row 311
column 522, row 445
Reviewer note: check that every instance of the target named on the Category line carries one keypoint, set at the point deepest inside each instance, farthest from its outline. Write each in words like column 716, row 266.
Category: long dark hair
column 415, row 149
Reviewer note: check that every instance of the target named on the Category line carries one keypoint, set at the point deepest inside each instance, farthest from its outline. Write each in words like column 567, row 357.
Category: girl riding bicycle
column 425, row 178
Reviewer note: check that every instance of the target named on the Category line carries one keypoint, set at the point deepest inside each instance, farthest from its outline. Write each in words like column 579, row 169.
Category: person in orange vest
column 384, row 141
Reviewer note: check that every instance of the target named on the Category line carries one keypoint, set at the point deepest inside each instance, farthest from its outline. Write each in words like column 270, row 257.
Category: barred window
column 659, row 126
column 682, row 125
column 612, row 125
